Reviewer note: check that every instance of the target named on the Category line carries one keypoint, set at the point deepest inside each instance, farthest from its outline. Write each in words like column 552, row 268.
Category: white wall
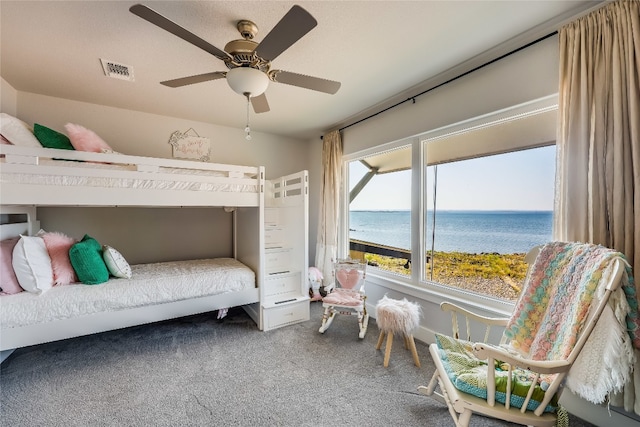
column 524, row 76
column 8, row 98
column 145, row 235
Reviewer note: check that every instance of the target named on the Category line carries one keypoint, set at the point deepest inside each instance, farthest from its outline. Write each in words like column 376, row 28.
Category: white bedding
column 164, row 178
column 150, row 284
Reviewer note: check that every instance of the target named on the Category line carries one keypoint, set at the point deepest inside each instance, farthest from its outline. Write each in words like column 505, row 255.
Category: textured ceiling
column 376, row 49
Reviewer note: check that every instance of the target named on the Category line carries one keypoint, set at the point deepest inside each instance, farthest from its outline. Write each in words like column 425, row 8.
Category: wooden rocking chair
column 347, row 295
column 510, row 381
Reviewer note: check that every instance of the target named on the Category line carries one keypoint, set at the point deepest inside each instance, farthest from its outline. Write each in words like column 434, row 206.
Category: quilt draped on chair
column 553, row 308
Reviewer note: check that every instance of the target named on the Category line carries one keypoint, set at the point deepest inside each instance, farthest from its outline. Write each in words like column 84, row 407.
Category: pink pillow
column 84, row 139
column 58, row 246
column 8, row 280
column 4, row 140
column 348, row 279
column 341, row 296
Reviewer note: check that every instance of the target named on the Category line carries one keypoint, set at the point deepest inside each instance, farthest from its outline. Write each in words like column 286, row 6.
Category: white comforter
column 150, row 284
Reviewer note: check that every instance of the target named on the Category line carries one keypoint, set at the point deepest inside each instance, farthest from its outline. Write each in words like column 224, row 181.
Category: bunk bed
column 32, row 177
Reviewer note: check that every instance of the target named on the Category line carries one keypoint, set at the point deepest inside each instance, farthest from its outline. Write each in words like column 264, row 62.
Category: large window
column 461, row 216
column 483, row 215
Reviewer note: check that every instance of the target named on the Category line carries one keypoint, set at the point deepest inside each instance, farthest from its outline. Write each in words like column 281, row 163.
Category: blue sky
column 522, row 180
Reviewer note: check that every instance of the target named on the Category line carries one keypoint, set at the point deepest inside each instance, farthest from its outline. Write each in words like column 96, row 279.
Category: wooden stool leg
column 406, row 342
column 387, row 353
column 380, row 339
column 414, row 351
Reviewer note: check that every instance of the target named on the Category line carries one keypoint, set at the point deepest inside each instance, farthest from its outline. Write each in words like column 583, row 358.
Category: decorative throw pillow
column 58, row 245
column 86, row 259
column 84, row 139
column 17, row 132
column 116, row 264
column 50, row 138
column 32, row 264
column 8, row 280
column 348, row 279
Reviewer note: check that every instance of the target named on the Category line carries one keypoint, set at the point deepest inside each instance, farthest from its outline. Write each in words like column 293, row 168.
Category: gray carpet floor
column 198, row 371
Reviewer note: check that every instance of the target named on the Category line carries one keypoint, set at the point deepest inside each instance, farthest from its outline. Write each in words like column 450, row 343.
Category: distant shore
column 498, row 275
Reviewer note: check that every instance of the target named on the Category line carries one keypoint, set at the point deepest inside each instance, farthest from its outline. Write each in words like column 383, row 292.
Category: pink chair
column 347, row 295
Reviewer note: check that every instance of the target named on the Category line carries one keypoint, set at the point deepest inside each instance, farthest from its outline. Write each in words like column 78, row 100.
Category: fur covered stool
column 397, row 317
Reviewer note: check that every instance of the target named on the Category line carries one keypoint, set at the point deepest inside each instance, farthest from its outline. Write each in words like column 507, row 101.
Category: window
column 483, row 215
column 469, row 207
column 380, row 210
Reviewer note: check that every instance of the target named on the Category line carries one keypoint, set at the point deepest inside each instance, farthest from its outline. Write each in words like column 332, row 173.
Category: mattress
column 150, row 284
column 100, row 175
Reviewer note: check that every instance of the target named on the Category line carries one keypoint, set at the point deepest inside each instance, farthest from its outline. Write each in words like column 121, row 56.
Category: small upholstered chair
column 397, row 317
column 346, row 295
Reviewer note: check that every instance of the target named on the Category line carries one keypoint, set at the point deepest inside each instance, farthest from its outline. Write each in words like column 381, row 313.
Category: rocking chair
column 346, row 295
column 520, row 380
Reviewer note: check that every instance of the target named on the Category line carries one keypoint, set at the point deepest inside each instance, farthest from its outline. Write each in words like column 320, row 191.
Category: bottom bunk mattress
column 150, row 284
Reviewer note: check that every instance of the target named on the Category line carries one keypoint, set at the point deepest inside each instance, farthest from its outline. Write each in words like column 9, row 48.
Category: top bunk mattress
column 151, row 284
column 106, row 175
column 64, row 177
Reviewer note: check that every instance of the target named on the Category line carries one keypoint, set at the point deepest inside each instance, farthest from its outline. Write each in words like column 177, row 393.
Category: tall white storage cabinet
column 284, row 294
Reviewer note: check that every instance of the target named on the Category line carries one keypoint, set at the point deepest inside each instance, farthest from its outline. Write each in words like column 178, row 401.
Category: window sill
column 436, row 294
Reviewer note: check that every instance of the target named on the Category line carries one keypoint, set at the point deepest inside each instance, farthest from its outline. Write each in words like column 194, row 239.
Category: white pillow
column 32, row 264
column 17, row 132
column 116, row 264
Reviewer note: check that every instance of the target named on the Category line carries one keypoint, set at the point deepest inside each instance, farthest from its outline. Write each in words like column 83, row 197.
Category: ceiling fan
column 249, row 62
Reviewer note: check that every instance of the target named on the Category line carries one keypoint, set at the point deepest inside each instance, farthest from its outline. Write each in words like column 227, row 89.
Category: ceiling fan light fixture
column 247, row 81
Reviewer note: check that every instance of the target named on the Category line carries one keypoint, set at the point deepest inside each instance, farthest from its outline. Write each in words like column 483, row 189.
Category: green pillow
column 50, row 138
column 86, row 259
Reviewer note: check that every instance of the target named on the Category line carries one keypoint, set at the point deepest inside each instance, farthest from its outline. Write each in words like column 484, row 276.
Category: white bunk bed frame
column 24, row 198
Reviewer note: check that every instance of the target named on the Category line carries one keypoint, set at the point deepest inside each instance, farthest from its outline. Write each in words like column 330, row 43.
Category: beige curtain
column 327, row 242
column 598, row 169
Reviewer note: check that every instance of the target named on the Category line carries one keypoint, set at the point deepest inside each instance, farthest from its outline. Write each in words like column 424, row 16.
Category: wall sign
column 190, row 145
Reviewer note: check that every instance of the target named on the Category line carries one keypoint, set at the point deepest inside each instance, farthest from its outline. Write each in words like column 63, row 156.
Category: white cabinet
column 284, row 294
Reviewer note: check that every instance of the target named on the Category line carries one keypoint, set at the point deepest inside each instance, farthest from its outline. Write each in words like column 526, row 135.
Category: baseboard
column 5, row 353
column 598, row 415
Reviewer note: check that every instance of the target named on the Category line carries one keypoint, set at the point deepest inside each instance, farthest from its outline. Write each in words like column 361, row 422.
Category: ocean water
column 502, row 232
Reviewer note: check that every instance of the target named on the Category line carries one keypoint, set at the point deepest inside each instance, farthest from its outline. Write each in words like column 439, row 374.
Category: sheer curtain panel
column 329, row 203
column 598, row 145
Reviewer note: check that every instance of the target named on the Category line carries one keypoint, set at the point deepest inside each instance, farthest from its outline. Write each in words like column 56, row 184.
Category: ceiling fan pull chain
column 248, row 129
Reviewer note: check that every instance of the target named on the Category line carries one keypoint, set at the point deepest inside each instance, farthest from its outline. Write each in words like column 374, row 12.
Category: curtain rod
column 413, row 98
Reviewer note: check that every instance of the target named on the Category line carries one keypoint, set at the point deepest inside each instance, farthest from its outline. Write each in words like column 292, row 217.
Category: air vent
column 116, row 70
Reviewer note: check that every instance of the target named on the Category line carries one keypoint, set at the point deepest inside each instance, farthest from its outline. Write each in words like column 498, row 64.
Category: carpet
column 199, row 371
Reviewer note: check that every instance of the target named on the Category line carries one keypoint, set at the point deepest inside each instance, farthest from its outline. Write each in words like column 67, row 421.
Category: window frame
column 417, row 285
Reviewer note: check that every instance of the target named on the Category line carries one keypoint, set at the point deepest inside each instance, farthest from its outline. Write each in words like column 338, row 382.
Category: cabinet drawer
column 277, row 261
column 273, row 237
column 287, row 314
column 271, row 217
column 282, row 286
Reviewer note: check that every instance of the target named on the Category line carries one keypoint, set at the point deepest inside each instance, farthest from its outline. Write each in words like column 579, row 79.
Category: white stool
column 397, row 317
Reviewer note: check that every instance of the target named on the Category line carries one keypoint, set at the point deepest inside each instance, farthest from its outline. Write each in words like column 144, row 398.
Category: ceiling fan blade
column 184, row 81
column 307, row 82
column 295, row 24
column 260, row 104
column 155, row 18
